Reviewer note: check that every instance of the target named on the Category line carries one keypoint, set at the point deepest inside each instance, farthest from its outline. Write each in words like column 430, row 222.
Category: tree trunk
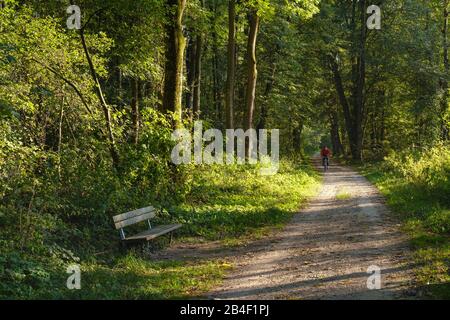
column 251, row 69
column 360, row 87
column 104, row 105
column 382, row 120
column 334, row 133
column 190, row 72
column 231, row 67
column 173, row 71
column 198, row 75
column 354, row 117
column 343, row 101
column 61, row 117
column 216, row 82
column 445, row 130
column 264, row 105
column 297, row 137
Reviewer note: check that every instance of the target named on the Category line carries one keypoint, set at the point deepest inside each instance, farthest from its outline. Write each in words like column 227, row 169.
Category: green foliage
column 233, row 201
column 229, row 203
column 59, row 190
column 128, row 277
column 428, row 172
column 417, row 187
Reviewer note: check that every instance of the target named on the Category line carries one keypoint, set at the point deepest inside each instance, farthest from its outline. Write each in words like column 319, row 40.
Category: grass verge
column 425, row 218
column 232, row 204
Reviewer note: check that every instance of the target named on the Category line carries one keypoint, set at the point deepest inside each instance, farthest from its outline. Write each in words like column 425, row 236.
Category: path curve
column 325, row 251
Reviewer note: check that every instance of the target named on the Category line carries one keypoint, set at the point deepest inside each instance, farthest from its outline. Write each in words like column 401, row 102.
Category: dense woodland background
column 86, row 118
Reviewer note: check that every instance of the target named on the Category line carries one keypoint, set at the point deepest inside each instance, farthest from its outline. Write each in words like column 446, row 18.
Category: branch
column 66, row 81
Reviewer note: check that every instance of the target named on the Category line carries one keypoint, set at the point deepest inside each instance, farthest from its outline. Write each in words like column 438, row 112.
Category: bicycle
column 325, row 163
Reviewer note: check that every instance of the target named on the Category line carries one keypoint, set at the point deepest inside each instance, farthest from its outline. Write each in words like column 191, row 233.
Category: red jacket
column 325, row 152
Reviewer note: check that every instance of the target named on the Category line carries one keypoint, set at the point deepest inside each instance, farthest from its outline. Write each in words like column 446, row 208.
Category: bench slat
column 132, row 214
column 154, row 232
column 136, row 219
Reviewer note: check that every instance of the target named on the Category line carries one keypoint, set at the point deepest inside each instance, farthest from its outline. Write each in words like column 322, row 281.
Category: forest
column 92, row 93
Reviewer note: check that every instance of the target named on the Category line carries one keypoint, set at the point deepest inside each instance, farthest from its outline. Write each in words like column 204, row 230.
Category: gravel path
column 327, row 248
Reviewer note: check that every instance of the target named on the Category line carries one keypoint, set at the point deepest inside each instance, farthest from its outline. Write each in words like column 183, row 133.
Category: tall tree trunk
column 343, row 101
column 173, row 71
column 119, row 80
column 61, row 117
column 190, row 73
column 198, row 72
column 216, row 82
column 354, row 117
column 445, row 130
column 334, row 133
column 382, row 120
column 297, row 137
column 264, row 105
column 358, row 109
column 231, row 65
column 251, row 69
column 104, row 105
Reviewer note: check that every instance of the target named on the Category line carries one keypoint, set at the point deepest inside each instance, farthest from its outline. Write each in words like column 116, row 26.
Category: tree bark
column 251, row 69
column 264, row 105
column 190, row 72
column 445, row 130
column 360, row 87
column 61, row 117
column 173, row 77
column 338, row 149
column 231, row 65
column 98, row 89
column 297, row 137
column 342, row 100
column 354, row 117
column 198, row 75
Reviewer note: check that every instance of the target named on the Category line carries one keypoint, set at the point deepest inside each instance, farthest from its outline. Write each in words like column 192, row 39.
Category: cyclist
column 325, row 154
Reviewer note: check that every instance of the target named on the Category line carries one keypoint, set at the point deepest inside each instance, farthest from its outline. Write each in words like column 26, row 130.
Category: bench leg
column 146, row 247
column 123, row 246
column 171, row 238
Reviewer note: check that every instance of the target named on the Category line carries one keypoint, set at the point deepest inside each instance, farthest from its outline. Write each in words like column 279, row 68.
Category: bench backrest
column 132, row 217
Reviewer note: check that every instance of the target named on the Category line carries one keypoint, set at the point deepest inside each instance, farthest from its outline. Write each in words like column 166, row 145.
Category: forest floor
column 323, row 253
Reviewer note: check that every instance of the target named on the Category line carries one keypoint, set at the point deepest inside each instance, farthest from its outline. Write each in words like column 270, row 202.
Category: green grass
column 127, row 277
column 232, row 204
column 426, row 219
column 132, row 277
column 343, row 195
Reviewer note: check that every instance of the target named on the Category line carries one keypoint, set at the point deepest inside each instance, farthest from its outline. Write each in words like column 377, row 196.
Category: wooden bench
column 144, row 214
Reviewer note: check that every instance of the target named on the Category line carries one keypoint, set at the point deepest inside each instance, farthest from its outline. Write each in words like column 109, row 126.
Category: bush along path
column 417, row 188
column 327, row 249
column 226, row 207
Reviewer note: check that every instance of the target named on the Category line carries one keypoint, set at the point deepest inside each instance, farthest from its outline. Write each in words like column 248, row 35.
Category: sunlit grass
column 229, row 204
column 343, row 195
column 426, row 219
column 232, row 202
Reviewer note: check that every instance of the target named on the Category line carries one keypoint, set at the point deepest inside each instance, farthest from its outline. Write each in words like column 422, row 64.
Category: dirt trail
column 325, row 251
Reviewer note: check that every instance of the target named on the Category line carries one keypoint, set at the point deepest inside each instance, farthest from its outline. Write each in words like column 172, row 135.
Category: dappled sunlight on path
column 325, row 251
